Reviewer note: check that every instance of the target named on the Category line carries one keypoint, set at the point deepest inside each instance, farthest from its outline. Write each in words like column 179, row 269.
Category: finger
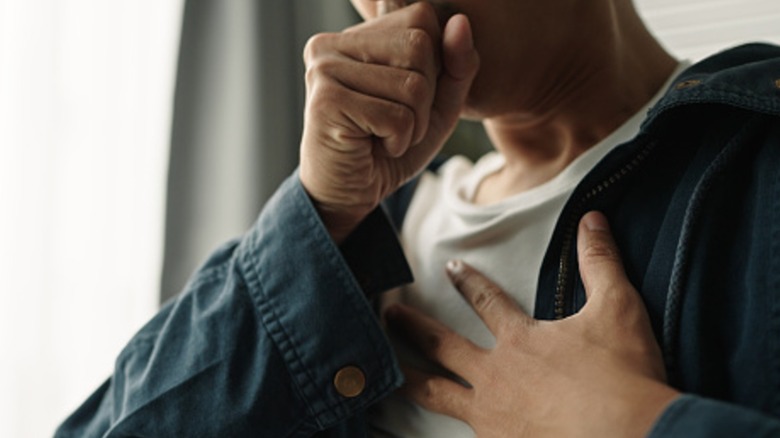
column 497, row 309
column 432, row 338
column 407, row 48
column 408, row 39
column 460, row 58
column 601, row 267
column 358, row 117
column 460, row 66
column 406, row 87
column 436, row 393
column 426, row 16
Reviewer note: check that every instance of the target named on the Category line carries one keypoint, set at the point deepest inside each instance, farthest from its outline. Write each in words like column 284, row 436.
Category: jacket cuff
column 375, row 255
column 312, row 305
column 691, row 416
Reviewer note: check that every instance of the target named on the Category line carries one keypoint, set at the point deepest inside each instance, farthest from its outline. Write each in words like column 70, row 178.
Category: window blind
column 694, row 29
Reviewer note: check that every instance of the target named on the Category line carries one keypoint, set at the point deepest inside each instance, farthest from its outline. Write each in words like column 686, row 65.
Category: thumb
column 601, row 267
column 460, row 65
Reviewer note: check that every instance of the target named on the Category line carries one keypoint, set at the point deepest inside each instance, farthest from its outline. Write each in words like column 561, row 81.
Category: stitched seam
column 773, row 109
column 758, row 103
column 673, row 308
column 730, row 90
column 344, row 278
column 271, row 320
column 725, row 91
column 774, row 285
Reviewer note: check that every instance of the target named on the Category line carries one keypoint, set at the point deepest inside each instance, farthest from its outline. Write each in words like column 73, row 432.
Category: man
column 276, row 336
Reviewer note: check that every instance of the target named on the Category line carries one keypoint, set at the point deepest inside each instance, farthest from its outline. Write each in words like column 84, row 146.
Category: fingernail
column 595, row 221
column 454, row 267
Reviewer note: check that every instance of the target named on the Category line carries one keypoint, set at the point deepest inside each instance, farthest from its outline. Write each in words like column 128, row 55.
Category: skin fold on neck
column 613, row 73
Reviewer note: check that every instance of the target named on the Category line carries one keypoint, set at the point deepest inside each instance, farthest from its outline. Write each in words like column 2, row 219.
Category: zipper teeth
column 570, row 231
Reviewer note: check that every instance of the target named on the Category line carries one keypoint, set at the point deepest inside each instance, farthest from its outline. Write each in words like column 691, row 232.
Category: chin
column 471, row 114
column 480, row 107
column 476, row 106
column 485, row 100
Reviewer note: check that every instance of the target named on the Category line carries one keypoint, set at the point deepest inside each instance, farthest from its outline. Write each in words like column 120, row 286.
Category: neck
column 604, row 82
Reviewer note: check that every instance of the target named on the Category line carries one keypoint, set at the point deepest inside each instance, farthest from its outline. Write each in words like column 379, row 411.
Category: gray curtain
column 237, row 120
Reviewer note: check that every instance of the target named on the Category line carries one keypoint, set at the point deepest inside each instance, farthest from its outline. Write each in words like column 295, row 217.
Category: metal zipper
column 570, row 231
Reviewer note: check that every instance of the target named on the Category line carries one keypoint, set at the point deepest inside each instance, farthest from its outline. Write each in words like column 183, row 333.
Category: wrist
column 340, row 222
column 645, row 405
column 340, row 214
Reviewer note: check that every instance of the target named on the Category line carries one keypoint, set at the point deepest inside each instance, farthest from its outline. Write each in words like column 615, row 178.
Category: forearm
column 255, row 340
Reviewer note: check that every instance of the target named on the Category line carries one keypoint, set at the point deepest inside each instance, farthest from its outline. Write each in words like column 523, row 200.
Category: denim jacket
column 261, row 338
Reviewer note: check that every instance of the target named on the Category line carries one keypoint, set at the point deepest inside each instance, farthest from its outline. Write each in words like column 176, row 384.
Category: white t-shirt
column 506, row 241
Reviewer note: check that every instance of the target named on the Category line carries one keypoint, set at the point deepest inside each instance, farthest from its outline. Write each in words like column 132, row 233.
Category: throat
column 510, row 181
column 495, row 188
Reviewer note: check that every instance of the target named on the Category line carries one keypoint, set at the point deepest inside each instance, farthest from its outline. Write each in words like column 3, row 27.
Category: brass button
column 777, row 83
column 350, row 381
column 688, row 84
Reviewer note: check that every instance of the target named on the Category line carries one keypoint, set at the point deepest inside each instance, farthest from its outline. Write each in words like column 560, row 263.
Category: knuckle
column 401, row 117
column 313, row 79
column 484, row 298
column 316, row 45
column 322, row 93
column 423, row 13
column 324, row 66
column 310, row 76
column 417, row 42
column 601, row 250
column 414, row 85
column 323, row 100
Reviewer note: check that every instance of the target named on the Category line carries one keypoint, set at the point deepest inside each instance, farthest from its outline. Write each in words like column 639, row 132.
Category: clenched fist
column 382, row 98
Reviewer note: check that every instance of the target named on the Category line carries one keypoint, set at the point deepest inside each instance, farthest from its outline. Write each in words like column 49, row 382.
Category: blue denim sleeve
column 252, row 345
column 690, row 416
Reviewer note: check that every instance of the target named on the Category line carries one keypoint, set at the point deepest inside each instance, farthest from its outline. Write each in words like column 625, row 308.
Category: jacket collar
column 746, row 77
